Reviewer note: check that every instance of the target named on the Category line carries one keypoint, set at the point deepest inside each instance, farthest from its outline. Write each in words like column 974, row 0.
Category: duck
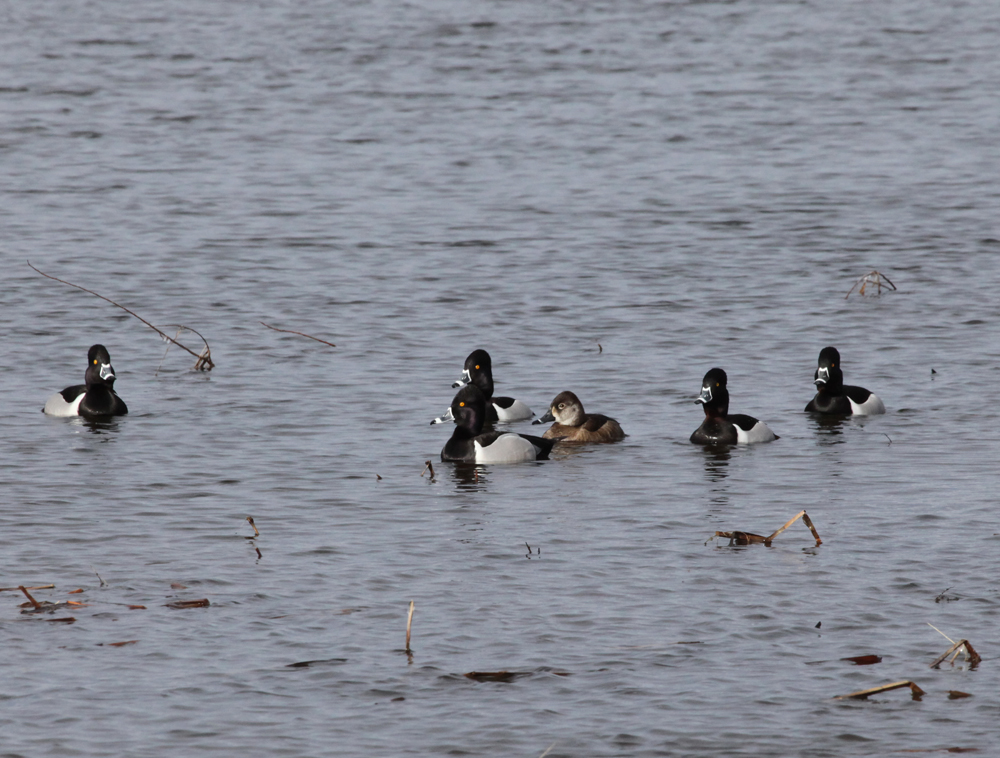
column 720, row 428
column 573, row 424
column 478, row 370
column 835, row 397
column 94, row 400
column 468, row 443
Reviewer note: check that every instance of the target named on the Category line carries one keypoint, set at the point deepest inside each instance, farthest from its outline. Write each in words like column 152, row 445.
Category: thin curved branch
column 204, row 362
column 290, row 331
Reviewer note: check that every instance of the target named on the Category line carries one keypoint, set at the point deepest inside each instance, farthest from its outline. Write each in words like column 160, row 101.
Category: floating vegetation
column 203, row 603
column 864, row 660
column 971, row 655
column 915, row 691
column 428, row 466
column 301, row 334
column 875, row 279
column 409, row 624
column 748, row 538
column 204, row 358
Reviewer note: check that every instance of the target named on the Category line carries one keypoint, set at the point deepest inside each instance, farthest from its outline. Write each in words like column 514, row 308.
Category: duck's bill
column 705, row 396
column 107, row 372
column 448, row 416
column 822, row 376
column 547, row 418
column 466, row 378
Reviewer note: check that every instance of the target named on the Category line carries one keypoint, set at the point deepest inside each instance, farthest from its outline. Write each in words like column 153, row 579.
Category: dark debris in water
column 320, row 662
column 863, row 660
column 203, row 603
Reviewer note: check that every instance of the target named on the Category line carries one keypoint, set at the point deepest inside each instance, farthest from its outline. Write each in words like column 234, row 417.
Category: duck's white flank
column 507, row 448
column 518, row 411
column 57, row 406
column 870, row 407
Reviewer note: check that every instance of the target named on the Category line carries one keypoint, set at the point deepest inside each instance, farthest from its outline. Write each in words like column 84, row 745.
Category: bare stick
column 301, row 334
column 862, row 694
column 974, row 657
column 39, row 587
column 791, row 521
column 28, row 595
column 204, row 359
column 428, row 466
column 255, row 532
column 808, row 522
column 103, row 583
column 939, row 631
column 409, row 623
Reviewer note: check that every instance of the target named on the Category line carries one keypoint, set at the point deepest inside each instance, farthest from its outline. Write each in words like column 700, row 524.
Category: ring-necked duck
column 479, row 371
column 719, row 428
column 574, row 425
column 468, row 444
column 835, row 397
column 96, row 398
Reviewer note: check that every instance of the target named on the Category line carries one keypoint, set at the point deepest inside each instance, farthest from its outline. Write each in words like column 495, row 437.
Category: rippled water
column 611, row 198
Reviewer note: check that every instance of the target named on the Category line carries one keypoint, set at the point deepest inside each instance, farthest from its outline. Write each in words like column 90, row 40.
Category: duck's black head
column 469, row 409
column 714, row 395
column 478, row 370
column 99, row 369
column 828, row 376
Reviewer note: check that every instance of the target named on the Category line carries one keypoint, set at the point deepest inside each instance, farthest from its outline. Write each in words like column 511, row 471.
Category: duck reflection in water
column 469, row 477
column 108, row 428
column 830, row 429
column 717, row 462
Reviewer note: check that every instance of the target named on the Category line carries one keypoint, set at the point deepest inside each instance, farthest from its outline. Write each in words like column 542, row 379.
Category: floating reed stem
column 19, row 587
column 409, row 623
column 956, row 648
column 862, row 694
column 250, row 521
column 428, row 466
column 204, row 359
column 28, row 595
column 301, row 334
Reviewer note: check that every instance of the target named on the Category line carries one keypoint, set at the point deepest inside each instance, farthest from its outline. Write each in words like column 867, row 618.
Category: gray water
column 611, row 198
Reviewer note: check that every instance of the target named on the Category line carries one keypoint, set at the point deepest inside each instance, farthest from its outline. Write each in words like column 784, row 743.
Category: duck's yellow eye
column 461, row 405
column 477, row 367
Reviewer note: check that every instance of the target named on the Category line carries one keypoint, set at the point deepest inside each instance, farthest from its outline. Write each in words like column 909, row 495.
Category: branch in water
column 301, row 334
column 204, row 362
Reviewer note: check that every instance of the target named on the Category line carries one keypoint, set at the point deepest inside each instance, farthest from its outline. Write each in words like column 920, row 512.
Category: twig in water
column 872, row 277
column 28, row 595
column 19, row 587
column 255, row 532
column 915, row 691
column 600, row 350
column 205, row 355
column 204, row 362
column 409, row 623
column 887, row 437
column 956, row 648
column 103, row 583
column 301, row 334
column 428, row 466
column 747, row 538
column 547, row 750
